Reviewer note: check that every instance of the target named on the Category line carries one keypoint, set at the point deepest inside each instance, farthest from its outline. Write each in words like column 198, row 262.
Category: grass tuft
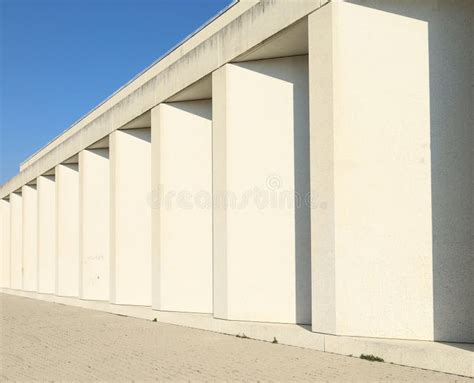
column 371, row 358
column 243, row 336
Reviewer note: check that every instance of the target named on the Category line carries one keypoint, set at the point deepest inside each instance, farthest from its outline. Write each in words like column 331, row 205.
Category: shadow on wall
column 74, row 167
column 451, row 63
column 143, row 134
column 104, row 153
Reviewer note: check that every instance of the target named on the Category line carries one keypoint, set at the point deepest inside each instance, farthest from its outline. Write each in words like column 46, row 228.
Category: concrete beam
column 67, row 230
column 130, row 217
column 30, row 237
column 46, row 189
column 190, row 43
column 94, row 180
column 230, row 39
column 260, row 170
column 5, row 242
column 182, row 206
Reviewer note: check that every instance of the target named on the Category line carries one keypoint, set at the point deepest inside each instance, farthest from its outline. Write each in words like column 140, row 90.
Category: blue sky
column 60, row 58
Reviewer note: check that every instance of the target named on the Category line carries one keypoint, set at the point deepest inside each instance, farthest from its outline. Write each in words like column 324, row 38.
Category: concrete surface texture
column 393, row 200
column 261, row 164
column 300, row 163
column 67, row 230
column 94, row 179
column 46, row 187
column 5, row 242
column 130, row 237
column 30, row 237
column 16, row 241
column 87, row 345
column 182, row 206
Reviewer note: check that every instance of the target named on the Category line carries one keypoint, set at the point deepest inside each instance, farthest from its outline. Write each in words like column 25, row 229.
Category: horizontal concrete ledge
column 453, row 358
column 231, row 38
column 228, row 14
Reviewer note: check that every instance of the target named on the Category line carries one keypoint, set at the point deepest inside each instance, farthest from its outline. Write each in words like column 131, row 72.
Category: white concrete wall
column 182, row 206
column 391, row 179
column 261, row 158
column 16, row 241
column 130, row 198
column 5, row 242
column 94, row 224
column 67, row 229
column 46, row 189
column 30, row 237
column 391, row 116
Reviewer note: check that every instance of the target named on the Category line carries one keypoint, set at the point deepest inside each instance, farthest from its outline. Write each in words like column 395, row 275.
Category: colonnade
column 301, row 190
column 132, row 221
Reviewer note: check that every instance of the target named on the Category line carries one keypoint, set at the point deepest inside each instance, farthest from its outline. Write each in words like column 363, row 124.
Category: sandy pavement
column 47, row 341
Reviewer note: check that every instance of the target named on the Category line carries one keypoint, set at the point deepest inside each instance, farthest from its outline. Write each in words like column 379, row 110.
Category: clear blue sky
column 60, row 58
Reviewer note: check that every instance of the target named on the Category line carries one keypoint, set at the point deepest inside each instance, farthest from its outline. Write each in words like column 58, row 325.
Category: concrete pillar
column 46, row 189
column 392, row 170
column 67, row 230
column 30, row 237
column 182, row 206
column 5, row 242
column 260, row 162
column 16, row 241
column 130, row 211
column 95, row 217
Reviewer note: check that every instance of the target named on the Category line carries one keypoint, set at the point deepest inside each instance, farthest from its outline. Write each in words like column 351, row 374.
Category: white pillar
column 46, row 189
column 5, row 242
column 391, row 162
column 261, row 159
column 95, row 216
column 30, row 237
column 67, row 230
column 130, row 201
column 182, row 206
column 16, row 244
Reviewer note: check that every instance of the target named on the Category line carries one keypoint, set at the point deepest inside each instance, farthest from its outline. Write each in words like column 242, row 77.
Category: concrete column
column 130, row 211
column 392, row 170
column 5, row 242
column 67, row 230
column 182, row 206
column 46, row 189
column 16, row 241
column 261, row 169
column 95, row 217
column 30, row 237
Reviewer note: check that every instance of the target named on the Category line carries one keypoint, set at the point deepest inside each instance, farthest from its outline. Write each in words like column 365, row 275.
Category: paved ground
column 48, row 341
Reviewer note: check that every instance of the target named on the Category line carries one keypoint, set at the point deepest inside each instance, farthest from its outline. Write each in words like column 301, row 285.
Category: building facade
column 302, row 162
